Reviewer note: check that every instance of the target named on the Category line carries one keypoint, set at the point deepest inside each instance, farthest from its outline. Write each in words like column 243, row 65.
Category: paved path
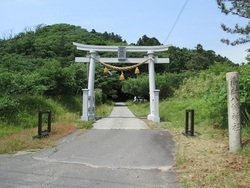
column 119, row 152
column 120, row 118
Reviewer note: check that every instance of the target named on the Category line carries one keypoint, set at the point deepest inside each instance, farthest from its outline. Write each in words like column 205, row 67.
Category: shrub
column 211, row 86
column 8, row 108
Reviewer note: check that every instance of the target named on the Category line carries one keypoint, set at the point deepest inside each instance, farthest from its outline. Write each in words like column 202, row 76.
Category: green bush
column 8, row 108
column 31, row 105
column 98, row 98
column 210, row 85
column 23, row 112
column 245, row 94
column 165, row 82
column 69, row 102
column 136, row 86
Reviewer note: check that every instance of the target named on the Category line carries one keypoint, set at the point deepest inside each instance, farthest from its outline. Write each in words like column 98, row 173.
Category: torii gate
column 88, row 107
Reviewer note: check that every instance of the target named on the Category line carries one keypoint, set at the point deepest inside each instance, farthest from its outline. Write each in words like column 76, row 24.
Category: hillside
column 40, row 62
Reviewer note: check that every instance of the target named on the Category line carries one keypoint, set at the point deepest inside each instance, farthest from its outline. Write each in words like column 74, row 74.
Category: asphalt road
column 119, row 152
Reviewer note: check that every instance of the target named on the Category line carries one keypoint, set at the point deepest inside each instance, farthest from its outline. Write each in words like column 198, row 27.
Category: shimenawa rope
column 122, row 68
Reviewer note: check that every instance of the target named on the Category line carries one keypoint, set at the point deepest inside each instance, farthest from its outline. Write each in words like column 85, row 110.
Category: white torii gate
column 88, row 107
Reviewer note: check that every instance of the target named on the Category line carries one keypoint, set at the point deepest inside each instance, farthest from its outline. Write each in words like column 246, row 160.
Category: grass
column 104, row 109
column 139, row 109
column 203, row 160
column 17, row 138
column 23, row 140
column 7, row 130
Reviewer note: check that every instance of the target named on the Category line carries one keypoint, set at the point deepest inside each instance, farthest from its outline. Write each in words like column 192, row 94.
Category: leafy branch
column 239, row 8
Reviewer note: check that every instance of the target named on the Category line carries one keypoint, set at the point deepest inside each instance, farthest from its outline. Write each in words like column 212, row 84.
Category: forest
column 39, row 65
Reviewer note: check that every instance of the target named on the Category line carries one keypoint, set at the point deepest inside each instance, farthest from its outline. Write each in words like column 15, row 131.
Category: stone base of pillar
column 156, row 119
column 91, row 116
column 84, row 118
column 150, row 117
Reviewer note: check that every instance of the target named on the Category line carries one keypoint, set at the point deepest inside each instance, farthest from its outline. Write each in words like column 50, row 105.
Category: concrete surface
column 110, row 155
column 120, row 118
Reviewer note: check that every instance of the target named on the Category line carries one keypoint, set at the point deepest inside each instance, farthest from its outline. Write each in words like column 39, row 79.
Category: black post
column 49, row 121
column 192, row 123
column 189, row 129
column 40, row 123
column 42, row 133
column 186, row 121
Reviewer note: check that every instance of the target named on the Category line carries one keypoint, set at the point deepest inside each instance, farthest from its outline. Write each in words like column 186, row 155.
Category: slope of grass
column 16, row 138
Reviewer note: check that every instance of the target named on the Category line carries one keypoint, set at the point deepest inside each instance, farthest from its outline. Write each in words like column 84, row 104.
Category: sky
column 181, row 23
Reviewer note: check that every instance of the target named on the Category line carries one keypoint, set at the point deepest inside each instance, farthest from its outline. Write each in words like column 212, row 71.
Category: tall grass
column 66, row 114
column 64, row 109
column 139, row 109
column 104, row 110
column 173, row 110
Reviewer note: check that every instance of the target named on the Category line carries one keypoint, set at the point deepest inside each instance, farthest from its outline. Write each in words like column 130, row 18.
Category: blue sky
column 199, row 22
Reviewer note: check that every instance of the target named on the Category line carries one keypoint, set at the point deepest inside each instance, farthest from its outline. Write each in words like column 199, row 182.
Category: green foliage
column 147, row 41
column 211, row 86
column 39, row 63
column 31, row 105
column 19, row 63
column 8, row 108
column 70, row 102
column 58, row 80
column 199, row 59
column 167, row 83
column 245, row 93
column 109, row 84
column 136, row 86
column 98, row 98
column 24, row 111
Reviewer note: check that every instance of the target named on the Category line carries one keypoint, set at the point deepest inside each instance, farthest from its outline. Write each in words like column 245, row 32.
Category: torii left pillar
column 88, row 110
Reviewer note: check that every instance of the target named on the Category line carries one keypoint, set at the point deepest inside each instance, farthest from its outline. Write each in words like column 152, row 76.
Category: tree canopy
column 241, row 9
column 43, row 61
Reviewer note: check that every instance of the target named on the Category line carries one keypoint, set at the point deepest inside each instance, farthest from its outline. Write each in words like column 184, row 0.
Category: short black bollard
column 189, row 129
column 42, row 133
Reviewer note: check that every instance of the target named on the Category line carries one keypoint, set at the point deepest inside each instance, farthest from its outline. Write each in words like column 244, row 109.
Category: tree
column 238, row 8
column 136, row 86
column 147, row 41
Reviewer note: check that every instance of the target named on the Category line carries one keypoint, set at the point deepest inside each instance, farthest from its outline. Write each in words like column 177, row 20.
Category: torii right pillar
column 153, row 93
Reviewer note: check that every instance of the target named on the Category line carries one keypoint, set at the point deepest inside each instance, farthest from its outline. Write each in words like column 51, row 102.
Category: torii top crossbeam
column 98, row 48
